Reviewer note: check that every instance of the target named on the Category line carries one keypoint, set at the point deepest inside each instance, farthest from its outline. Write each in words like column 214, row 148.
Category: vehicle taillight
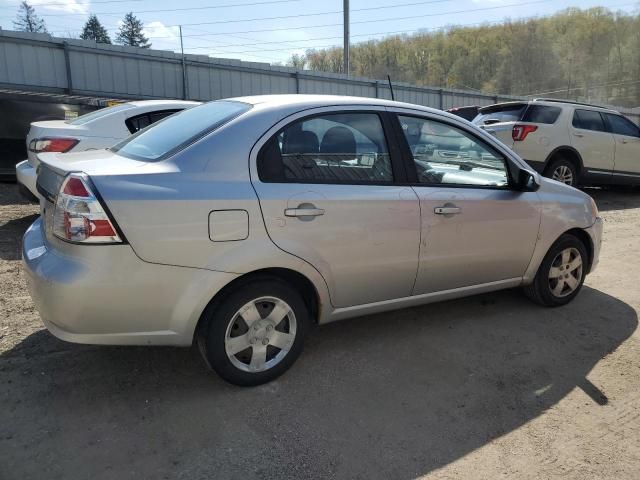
column 520, row 132
column 79, row 216
column 60, row 145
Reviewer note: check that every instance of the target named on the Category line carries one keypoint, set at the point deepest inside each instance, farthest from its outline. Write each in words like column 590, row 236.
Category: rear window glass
column 100, row 113
column 500, row 113
column 162, row 139
column 542, row 114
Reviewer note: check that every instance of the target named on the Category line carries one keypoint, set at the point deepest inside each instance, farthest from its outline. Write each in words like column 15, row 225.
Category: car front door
column 328, row 189
column 596, row 146
column 627, row 154
column 475, row 228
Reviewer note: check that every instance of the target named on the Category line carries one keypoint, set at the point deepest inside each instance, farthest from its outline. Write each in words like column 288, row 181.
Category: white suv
column 574, row 143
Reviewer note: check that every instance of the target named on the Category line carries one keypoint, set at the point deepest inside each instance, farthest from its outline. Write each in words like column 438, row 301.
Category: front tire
column 561, row 274
column 256, row 332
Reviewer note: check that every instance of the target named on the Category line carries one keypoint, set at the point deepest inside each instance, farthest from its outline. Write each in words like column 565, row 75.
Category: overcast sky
column 249, row 29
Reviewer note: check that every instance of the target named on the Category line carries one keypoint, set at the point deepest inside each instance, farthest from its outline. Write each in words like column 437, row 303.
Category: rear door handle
column 446, row 210
column 579, row 135
column 303, row 212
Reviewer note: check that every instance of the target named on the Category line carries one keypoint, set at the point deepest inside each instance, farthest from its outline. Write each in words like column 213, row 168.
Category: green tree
column 130, row 32
column 297, row 61
column 588, row 55
column 93, row 30
column 28, row 21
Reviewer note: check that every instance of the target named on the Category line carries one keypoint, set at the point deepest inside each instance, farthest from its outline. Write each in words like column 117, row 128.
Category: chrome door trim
column 405, row 302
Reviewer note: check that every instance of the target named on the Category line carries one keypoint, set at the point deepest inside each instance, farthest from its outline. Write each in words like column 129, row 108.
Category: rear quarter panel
column 539, row 144
column 164, row 212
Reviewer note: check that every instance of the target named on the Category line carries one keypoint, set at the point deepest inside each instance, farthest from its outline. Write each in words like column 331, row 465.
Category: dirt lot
column 483, row 388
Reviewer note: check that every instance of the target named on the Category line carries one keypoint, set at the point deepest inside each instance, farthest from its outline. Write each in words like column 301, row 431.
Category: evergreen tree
column 28, row 21
column 93, row 30
column 130, row 32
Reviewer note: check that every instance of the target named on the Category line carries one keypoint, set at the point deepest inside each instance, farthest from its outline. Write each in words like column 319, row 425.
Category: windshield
column 511, row 112
column 99, row 114
column 174, row 133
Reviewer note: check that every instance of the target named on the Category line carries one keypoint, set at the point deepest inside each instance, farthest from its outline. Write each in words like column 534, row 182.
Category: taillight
column 60, row 145
column 520, row 132
column 79, row 216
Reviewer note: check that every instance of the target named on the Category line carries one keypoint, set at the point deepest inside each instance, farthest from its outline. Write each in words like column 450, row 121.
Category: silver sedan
column 239, row 223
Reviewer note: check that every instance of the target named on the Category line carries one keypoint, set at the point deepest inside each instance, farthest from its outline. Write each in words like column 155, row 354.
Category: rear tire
column 256, row 332
column 555, row 284
column 562, row 170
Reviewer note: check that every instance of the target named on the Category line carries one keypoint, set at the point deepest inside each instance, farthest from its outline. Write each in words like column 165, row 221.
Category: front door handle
column 303, row 212
column 447, row 210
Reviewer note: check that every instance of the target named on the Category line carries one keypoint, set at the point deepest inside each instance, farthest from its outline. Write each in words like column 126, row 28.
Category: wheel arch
column 297, row 280
column 567, row 152
column 542, row 250
column 584, row 237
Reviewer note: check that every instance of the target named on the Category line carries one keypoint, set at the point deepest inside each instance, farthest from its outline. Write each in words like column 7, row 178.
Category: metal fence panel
column 38, row 62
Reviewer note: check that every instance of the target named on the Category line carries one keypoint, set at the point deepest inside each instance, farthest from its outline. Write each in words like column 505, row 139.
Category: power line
column 211, row 7
column 356, row 22
column 58, row 4
column 184, row 9
column 208, row 33
column 395, row 32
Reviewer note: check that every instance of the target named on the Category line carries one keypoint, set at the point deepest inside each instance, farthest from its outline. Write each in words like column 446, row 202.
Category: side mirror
column 526, row 181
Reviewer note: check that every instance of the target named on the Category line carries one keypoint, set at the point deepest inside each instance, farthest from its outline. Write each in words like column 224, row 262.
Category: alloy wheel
column 563, row 174
column 566, row 272
column 260, row 334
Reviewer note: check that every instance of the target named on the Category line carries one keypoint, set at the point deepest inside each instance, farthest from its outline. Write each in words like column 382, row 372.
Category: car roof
column 163, row 103
column 312, row 101
column 551, row 103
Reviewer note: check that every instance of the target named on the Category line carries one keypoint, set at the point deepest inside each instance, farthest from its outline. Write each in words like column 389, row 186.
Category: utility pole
column 184, row 67
column 345, row 49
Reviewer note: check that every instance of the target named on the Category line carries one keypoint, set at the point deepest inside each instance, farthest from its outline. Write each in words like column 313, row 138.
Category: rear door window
column 541, row 114
column 588, row 120
column 139, row 122
column 334, row 148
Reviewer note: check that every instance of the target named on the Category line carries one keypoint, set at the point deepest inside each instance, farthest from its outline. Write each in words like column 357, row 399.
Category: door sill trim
column 422, row 299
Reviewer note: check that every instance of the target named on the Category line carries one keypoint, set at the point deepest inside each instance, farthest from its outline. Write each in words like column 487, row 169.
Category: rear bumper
column 595, row 233
column 106, row 295
column 26, row 176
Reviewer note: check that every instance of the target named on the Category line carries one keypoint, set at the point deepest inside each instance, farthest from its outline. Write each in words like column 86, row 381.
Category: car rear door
column 627, row 148
column 594, row 143
column 475, row 228
column 327, row 182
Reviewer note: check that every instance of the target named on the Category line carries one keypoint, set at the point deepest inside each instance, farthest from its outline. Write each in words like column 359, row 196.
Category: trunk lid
column 51, row 128
column 55, row 166
column 499, row 119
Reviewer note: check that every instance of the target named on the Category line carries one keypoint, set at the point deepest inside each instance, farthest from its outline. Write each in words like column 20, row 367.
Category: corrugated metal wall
column 32, row 61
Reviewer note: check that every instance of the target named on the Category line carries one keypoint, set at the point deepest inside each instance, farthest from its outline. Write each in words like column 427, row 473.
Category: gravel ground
column 486, row 387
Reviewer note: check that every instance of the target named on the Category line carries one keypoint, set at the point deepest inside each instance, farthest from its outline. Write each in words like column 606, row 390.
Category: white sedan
column 100, row 129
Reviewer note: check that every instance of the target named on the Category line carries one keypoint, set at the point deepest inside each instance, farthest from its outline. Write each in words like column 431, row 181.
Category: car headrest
column 301, row 142
column 338, row 140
